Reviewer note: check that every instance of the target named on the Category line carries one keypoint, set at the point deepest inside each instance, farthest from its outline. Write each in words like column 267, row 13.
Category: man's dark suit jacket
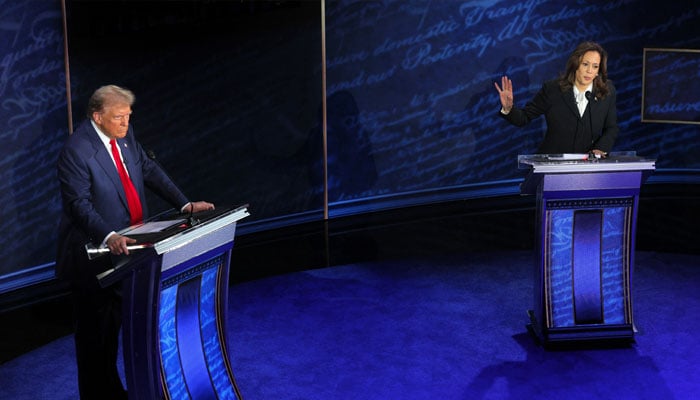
column 94, row 202
column 567, row 131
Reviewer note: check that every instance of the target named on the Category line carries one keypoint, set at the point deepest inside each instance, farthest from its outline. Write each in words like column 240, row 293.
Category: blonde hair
column 106, row 95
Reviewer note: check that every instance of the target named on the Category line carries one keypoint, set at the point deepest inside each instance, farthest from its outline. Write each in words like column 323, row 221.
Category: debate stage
column 443, row 327
column 404, row 311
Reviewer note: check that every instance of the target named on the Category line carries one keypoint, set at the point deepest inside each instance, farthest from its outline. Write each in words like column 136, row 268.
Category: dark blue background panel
column 229, row 98
column 228, row 93
column 33, row 125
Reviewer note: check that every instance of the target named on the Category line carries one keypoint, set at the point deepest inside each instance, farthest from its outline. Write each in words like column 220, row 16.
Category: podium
column 175, row 293
column 586, row 222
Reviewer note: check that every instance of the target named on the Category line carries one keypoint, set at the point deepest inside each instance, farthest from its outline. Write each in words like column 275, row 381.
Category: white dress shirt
column 581, row 100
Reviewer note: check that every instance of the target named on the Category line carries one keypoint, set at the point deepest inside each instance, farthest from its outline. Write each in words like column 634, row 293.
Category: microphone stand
column 591, row 99
column 191, row 220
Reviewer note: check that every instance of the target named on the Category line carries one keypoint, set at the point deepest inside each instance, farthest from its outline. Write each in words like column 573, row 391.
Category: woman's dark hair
column 600, row 83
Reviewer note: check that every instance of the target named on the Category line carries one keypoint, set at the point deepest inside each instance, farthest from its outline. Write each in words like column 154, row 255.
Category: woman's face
column 588, row 69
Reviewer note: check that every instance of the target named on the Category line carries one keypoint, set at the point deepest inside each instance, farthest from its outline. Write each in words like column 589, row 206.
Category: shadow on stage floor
column 439, row 327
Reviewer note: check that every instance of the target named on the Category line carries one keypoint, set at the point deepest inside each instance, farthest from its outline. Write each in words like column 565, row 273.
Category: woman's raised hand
column 505, row 92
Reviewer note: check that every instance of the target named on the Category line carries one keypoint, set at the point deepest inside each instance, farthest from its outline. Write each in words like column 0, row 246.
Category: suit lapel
column 570, row 101
column 126, row 155
column 129, row 158
column 594, row 106
column 104, row 159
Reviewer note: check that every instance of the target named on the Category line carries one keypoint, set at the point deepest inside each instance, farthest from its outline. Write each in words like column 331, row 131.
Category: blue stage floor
column 451, row 327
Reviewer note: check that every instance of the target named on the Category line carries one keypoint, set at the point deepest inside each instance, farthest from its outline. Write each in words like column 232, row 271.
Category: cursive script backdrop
column 416, row 80
column 33, row 125
column 229, row 98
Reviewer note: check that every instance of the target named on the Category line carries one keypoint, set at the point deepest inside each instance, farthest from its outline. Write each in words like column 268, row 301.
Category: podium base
column 591, row 334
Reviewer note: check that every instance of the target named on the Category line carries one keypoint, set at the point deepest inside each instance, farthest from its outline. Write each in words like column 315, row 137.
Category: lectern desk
column 586, row 221
column 175, row 285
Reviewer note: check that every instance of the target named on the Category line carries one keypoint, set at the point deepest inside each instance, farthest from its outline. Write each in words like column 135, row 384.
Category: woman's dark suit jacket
column 567, row 131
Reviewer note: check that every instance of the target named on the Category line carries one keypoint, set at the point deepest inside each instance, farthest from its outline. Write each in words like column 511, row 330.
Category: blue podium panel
column 586, row 212
column 587, row 269
column 192, row 341
column 585, row 263
column 175, row 301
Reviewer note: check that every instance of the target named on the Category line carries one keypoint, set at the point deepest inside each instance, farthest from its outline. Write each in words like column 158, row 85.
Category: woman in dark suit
column 579, row 106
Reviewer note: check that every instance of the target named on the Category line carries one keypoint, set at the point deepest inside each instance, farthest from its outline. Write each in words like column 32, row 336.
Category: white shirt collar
column 104, row 138
column 578, row 93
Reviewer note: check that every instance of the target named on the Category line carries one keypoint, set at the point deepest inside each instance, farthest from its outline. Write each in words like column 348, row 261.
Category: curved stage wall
column 229, row 97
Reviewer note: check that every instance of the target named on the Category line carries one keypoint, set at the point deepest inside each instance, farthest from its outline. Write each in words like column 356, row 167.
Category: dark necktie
column 132, row 197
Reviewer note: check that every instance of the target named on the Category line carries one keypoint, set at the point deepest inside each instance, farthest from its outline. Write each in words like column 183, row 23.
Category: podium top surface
column 202, row 224
column 580, row 163
column 169, row 231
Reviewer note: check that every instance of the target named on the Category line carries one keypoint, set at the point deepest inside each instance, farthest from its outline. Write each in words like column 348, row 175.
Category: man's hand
column 198, row 206
column 118, row 244
column 599, row 153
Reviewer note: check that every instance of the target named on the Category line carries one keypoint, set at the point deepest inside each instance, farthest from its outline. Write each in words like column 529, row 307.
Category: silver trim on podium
column 168, row 247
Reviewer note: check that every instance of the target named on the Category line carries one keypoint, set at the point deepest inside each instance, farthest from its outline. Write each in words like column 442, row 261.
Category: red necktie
column 132, row 198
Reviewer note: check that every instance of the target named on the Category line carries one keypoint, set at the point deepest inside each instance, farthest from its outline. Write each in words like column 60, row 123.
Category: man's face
column 113, row 120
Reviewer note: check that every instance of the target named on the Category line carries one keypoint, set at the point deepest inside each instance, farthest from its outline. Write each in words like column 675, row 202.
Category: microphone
column 191, row 220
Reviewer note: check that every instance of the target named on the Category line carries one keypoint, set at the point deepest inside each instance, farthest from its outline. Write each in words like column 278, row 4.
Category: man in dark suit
column 579, row 106
column 103, row 172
